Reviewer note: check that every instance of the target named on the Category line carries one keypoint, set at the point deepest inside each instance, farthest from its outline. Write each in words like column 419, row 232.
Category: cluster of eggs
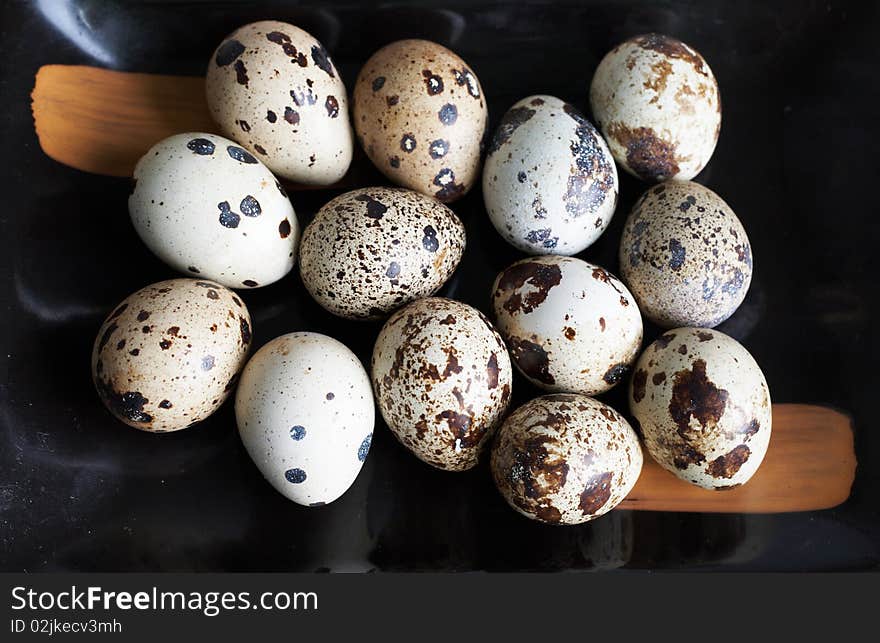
column 442, row 372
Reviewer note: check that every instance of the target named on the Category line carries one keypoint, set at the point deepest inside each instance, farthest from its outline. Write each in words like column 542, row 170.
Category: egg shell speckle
column 305, row 414
column 390, row 246
column 703, row 406
column 685, row 255
column 657, row 102
column 442, row 379
column 206, row 207
column 549, row 181
column 169, row 354
column 571, row 326
column 565, row 459
column 420, row 114
column 273, row 88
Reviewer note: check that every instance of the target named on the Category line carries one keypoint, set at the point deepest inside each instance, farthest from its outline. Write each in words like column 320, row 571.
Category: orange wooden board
column 103, row 121
column 810, row 464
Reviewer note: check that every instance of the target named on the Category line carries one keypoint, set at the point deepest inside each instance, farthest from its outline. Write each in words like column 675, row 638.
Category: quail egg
column 657, row 102
column 442, row 380
column 389, row 247
column 565, row 459
column 549, row 182
column 703, row 406
column 169, row 355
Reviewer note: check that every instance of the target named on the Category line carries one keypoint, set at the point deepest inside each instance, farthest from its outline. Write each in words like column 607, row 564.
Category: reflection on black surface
column 81, row 491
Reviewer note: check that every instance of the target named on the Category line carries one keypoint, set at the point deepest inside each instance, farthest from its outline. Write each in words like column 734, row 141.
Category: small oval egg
column 685, row 256
column 390, row 246
column 565, row 459
column 207, row 207
column 442, row 379
column 703, row 406
column 549, row 181
column 169, row 354
column 657, row 102
column 273, row 88
column 420, row 114
column 305, row 414
column 570, row 325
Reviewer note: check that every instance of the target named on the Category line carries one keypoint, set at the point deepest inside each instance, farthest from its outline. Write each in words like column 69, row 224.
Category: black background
column 796, row 161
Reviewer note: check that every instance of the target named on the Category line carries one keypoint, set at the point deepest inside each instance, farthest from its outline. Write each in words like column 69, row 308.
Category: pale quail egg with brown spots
column 305, row 414
column 549, row 182
column 570, row 325
column 169, row 354
column 657, row 102
column 703, row 406
column 565, row 459
column 389, row 247
column 442, row 379
column 207, row 207
column 685, row 256
column 273, row 88
column 420, row 114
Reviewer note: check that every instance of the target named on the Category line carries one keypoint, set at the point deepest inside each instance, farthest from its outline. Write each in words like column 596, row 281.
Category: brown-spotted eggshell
column 565, row 459
column 442, row 380
column 685, row 256
column 549, row 181
column 420, row 114
column 657, row 102
column 389, row 247
column 169, row 354
column 273, row 88
column 570, row 325
column 703, row 406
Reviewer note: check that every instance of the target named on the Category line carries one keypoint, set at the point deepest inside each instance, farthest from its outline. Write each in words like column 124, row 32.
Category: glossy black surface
column 796, row 160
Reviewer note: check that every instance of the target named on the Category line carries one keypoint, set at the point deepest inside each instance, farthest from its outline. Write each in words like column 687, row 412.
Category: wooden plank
column 810, row 464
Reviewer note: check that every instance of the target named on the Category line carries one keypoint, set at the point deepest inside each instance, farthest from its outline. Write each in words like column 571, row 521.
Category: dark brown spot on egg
column 569, row 333
column 165, row 344
column 271, row 116
column 120, row 344
column 245, row 329
column 540, row 277
column 663, row 341
column 596, row 493
column 492, row 371
column 649, row 156
column 165, row 404
column 284, row 229
column 511, row 120
column 658, row 378
column 704, row 336
column 106, row 336
column 291, row 115
column 193, row 269
column 128, row 405
column 228, row 52
column 727, row 465
column 684, row 455
column 671, row 48
column 532, row 359
column 332, row 106
column 143, row 315
column 322, row 60
column 676, row 254
column 640, row 379
column 250, row 283
column 695, row 396
column 241, row 76
column 378, row 83
column 615, row 373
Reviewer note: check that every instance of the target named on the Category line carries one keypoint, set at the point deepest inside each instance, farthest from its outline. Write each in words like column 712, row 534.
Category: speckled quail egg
column 549, row 182
column 570, row 325
column 169, row 354
column 205, row 206
column 305, row 414
column 389, row 247
column 273, row 88
column 420, row 114
column 442, row 379
column 685, row 256
column 703, row 406
column 658, row 105
column 565, row 459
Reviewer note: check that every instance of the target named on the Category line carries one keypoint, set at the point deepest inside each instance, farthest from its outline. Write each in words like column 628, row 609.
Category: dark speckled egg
column 704, row 407
column 565, row 459
column 442, row 379
column 169, row 355
column 685, row 256
column 420, row 114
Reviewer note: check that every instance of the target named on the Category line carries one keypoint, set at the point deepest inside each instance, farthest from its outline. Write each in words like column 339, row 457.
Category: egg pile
column 442, row 372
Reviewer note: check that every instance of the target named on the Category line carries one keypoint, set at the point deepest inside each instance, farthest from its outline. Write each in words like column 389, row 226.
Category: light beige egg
column 273, row 88
column 420, row 114
column 389, row 247
column 685, row 256
column 657, row 103
column 703, row 406
column 565, row 459
column 570, row 325
column 442, row 380
column 169, row 354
